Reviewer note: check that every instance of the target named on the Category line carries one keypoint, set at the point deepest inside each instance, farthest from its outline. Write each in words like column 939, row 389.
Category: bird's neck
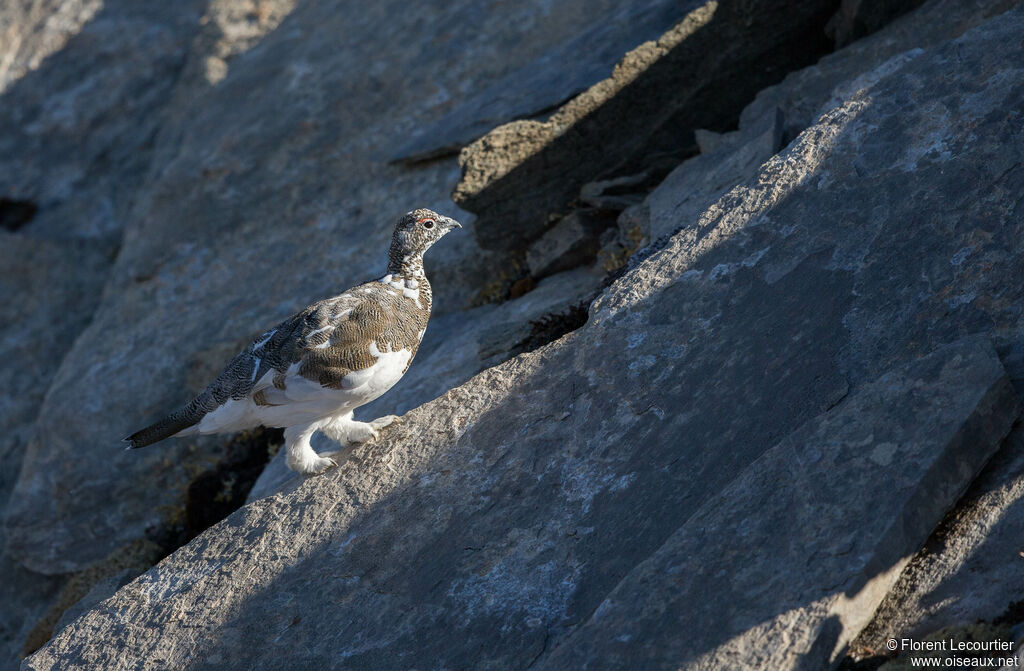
column 408, row 270
column 409, row 267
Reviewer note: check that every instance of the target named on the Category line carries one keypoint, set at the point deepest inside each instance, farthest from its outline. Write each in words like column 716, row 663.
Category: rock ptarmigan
column 312, row 370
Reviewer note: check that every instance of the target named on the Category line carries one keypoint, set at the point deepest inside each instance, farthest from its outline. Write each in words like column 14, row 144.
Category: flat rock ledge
column 762, row 577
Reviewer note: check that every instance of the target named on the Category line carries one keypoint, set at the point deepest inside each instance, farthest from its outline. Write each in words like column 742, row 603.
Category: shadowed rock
column 857, row 18
column 803, row 95
column 735, row 158
column 519, row 174
column 262, row 198
column 85, row 94
column 969, row 571
column 558, row 74
column 48, row 290
column 571, row 242
column 783, row 567
column 491, row 523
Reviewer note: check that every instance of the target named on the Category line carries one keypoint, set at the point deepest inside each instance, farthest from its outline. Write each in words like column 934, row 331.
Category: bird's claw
column 363, row 432
column 318, row 466
column 384, row 422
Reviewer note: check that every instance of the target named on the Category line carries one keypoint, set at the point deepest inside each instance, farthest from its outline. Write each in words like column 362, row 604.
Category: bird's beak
column 452, row 224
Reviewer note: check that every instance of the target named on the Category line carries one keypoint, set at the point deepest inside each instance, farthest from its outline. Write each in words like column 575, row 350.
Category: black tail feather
column 166, row 427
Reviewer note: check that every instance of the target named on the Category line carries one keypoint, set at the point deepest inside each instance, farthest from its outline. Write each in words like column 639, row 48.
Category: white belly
column 373, row 381
column 303, row 400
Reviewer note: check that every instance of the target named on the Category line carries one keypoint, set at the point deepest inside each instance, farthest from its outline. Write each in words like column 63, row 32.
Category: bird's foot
column 384, row 422
column 361, row 432
column 314, row 465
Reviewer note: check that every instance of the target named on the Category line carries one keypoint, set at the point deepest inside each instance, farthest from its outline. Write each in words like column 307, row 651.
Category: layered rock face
column 731, row 452
column 129, row 181
column 252, row 176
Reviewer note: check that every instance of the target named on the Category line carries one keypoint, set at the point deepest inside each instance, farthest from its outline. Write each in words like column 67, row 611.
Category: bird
column 312, row 370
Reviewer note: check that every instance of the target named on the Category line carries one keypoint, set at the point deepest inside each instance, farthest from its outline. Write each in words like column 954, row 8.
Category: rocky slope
column 808, row 350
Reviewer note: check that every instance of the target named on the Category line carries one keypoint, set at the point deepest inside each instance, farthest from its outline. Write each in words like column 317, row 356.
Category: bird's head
column 415, row 232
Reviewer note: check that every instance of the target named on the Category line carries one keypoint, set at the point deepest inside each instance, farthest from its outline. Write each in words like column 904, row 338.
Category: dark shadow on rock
column 968, row 569
column 546, row 83
column 857, row 18
column 501, row 550
column 78, row 141
column 16, row 213
column 495, row 522
column 222, row 489
column 699, row 75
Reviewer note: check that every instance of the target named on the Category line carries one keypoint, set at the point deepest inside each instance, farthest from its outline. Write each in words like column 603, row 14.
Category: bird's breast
column 387, row 369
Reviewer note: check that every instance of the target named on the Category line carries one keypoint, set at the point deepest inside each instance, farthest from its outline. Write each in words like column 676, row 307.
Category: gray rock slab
column 730, row 159
column 518, row 175
column 806, row 93
column 100, row 591
column 734, row 159
column 26, row 597
column 783, row 567
column 48, row 291
column 266, row 189
column 607, row 32
column 491, row 523
column 571, row 242
column 970, row 570
column 82, row 105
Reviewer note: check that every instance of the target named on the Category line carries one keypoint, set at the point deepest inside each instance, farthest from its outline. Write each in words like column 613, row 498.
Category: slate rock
column 519, row 174
column 798, row 99
column 491, row 523
column 48, row 291
column 804, row 94
column 263, row 193
column 607, row 30
column 782, row 568
column 82, row 590
column 857, row 18
column 103, row 589
column 970, row 570
column 734, row 159
column 82, row 104
column 573, row 241
column 26, row 597
column 616, row 193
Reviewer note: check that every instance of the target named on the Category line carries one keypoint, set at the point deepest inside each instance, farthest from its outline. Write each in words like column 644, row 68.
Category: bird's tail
column 170, row 425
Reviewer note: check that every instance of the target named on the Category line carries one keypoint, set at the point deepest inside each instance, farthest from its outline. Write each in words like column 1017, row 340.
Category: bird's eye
column 429, row 223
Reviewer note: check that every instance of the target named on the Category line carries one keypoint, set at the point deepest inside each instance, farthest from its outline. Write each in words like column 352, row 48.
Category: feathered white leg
column 347, row 431
column 301, row 456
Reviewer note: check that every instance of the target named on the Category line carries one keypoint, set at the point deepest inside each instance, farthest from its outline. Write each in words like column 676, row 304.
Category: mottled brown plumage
column 385, row 316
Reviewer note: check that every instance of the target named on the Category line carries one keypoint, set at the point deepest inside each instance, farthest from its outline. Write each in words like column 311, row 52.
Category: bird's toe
column 385, row 421
column 317, row 466
column 361, row 433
